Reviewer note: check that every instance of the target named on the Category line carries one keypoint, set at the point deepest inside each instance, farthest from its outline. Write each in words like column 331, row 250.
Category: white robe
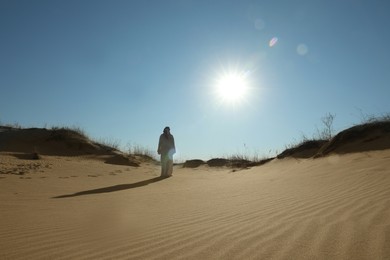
column 166, row 148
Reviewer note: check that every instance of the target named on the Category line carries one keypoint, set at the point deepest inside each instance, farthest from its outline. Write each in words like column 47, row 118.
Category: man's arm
column 174, row 147
column 159, row 146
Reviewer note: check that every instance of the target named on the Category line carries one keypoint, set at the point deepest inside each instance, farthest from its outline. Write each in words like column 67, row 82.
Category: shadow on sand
column 112, row 188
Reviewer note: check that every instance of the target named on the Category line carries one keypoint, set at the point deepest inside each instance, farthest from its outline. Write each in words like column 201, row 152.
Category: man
column 166, row 148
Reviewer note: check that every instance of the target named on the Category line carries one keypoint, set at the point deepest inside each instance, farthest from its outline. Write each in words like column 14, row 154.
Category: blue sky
column 123, row 70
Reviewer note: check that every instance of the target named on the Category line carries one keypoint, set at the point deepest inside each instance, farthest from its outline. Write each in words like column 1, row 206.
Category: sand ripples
column 338, row 213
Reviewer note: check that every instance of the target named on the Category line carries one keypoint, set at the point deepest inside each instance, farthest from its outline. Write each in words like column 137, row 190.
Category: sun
column 232, row 87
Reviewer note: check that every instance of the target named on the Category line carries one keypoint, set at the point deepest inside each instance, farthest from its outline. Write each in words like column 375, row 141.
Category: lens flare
column 273, row 42
column 302, row 49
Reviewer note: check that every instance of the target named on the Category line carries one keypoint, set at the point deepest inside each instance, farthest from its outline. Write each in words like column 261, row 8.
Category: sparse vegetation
column 368, row 119
column 109, row 143
column 11, row 126
column 246, row 155
column 74, row 130
column 138, row 150
column 327, row 132
column 376, row 129
column 65, row 133
column 371, row 118
column 307, row 147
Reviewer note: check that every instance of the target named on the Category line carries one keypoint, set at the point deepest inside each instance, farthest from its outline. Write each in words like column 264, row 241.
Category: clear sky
column 123, row 70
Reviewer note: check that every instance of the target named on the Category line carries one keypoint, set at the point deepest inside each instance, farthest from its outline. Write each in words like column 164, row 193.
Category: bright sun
column 232, row 87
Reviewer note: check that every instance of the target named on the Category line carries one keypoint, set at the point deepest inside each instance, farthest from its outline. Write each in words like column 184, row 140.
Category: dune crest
column 31, row 143
column 360, row 138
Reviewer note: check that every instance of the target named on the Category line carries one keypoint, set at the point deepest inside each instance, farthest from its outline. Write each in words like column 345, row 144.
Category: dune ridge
column 32, row 143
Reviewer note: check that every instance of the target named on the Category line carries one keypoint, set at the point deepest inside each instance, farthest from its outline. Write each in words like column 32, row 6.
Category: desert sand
column 335, row 207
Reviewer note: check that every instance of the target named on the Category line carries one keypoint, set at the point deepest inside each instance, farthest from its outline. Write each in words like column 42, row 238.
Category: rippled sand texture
column 337, row 207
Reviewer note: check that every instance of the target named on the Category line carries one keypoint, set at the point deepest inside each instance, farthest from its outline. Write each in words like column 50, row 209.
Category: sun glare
column 232, row 87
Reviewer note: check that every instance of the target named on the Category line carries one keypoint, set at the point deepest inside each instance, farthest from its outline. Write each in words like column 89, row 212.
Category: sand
column 335, row 207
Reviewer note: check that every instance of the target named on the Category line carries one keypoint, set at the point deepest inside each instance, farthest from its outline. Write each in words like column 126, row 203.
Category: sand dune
column 31, row 143
column 336, row 207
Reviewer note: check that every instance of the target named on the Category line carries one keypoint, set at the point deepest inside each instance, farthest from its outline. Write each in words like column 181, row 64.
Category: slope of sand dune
column 371, row 136
column 31, row 143
column 335, row 207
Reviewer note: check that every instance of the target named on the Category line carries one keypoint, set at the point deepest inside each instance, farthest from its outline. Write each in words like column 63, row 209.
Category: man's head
column 166, row 130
